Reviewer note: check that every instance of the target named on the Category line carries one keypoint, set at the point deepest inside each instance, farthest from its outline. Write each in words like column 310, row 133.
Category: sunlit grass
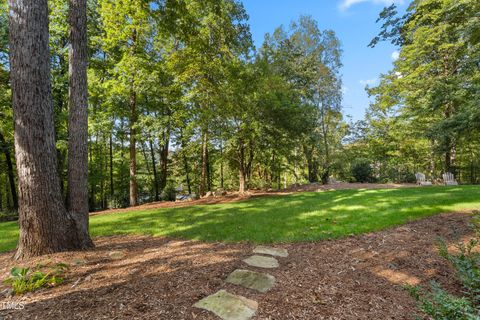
column 297, row 217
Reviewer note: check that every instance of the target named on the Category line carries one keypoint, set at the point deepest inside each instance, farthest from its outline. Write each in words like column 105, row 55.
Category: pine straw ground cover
column 358, row 277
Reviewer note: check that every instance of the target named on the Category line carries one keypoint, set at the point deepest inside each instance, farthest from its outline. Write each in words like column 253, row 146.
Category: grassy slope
column 297, row 217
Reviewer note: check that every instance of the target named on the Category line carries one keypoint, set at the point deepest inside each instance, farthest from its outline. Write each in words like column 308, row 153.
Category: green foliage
column 362, row 170
column 438, row 303
column 422, row 117
column 23, row 280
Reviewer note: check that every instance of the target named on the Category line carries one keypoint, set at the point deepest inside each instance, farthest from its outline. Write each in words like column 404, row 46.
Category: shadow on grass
column 296, row 217
column 286, row 218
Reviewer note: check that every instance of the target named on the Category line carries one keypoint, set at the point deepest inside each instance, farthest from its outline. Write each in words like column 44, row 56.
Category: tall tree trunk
column 45, row 225
column 326, row 162
column 77, row 195
column 145, row 156
column 311, row 164
column 241, row 169
column 155, row 175
column 112, row 190
column 203, row 181
column 209, row 173
column 11, row 176
column 164, row 145
column 133, row 134
column 133, row 149
column 185, row 162
column 91, row 198
column 1, row 193
column 187, row 177
column 241, row 185
column 9, row 202
column 221, row 164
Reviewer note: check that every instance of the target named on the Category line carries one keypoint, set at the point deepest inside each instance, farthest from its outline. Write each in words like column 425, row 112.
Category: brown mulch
column 358, row 277
column 235, row 196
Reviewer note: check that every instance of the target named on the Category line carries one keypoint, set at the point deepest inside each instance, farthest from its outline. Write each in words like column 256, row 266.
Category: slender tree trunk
column 165, row 144
column 249, row 164
column 11, row 176
column 91, row 198
column 133, row 135
column 9, row 202
column 155, row 175
column 45, row 225
column 112, row 190
column 221, row 164
column 145, row 156
column 209, row 173
column 133, row 149
column 203, row 182
column 326, row 163
column 1, row 193
column 185, row 163
column 77, row 196
column 241, row 167
column 187, row 174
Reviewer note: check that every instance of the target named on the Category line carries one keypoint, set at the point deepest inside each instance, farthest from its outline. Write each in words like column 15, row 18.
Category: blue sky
column 354, row 23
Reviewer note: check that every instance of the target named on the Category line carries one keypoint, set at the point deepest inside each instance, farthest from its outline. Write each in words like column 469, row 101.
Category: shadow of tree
column 296, row 217
column 159, row 278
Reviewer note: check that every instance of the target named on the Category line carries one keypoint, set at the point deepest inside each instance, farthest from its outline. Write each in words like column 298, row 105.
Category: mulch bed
column 358, row 277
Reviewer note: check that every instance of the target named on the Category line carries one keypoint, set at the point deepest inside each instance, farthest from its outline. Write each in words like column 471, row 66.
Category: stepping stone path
column 278, row 252
column 252, row 280
column 232, row 307
column 116, row 255
column 261, row 262
column 228, row 306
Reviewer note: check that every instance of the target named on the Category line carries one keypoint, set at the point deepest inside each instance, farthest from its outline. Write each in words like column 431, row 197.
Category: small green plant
column 25, row 280
column 441, row 305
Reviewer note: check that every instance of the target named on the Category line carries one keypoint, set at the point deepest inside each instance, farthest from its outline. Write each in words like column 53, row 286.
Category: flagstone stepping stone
column 279, row 252
column 252, row 280
column 261, row 262
column 228, row 306
column 116, row 255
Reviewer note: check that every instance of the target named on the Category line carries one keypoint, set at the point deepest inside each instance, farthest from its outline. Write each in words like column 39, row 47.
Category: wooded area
column 180, row 100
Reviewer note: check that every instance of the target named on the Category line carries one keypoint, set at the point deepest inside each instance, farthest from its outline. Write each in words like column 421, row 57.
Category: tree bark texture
column 77, row 197
column 45, row 225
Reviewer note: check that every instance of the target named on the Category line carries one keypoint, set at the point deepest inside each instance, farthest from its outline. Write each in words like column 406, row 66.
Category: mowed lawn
column 297, row 217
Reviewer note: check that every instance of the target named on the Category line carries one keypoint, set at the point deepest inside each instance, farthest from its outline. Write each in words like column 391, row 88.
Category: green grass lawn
column 297, row 217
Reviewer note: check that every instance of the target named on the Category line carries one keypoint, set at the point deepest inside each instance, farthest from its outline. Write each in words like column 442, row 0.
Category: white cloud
column 345, row 4
column 395, row 55
column 368, row 82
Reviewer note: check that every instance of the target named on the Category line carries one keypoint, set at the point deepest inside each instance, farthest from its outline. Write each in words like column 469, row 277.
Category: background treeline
column 426, row 112
column 179, row 97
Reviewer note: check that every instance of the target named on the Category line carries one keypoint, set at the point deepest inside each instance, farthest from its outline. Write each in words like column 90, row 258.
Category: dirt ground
column 359, row 277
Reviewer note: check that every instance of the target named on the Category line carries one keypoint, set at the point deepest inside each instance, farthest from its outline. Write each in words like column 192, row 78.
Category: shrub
column 362, row 170
column 441, row 305
column 25, row 280
column 169, row 193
